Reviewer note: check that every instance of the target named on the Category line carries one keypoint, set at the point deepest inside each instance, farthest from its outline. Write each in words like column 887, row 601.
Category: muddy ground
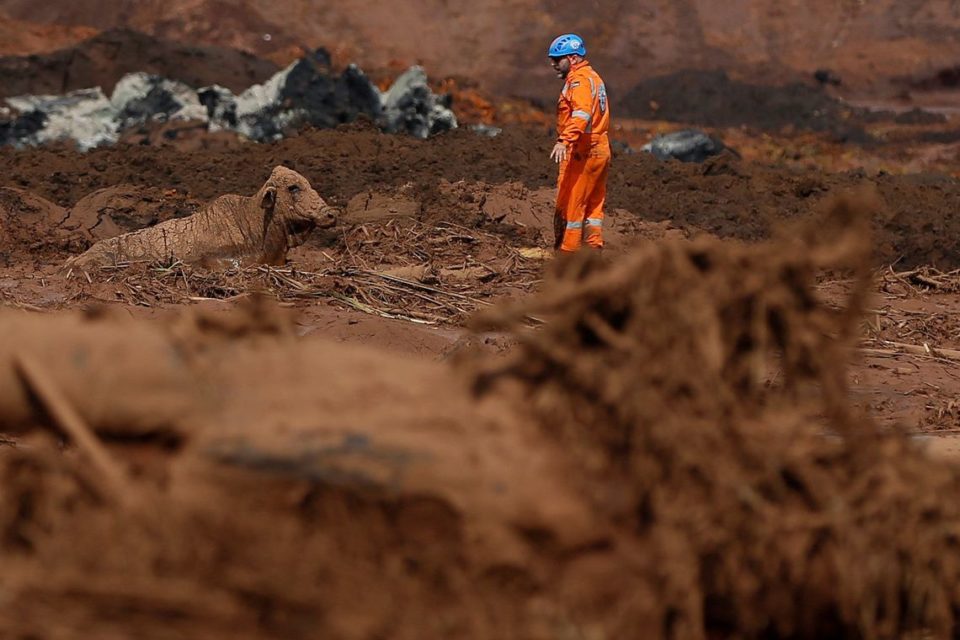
column 502, row 446
column 461, row 211
column 740, row 421
column 725, row 196
column 256, row 475
column 459, row 202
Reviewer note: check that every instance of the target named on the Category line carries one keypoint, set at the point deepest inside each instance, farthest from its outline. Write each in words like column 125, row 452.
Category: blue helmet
column 565, row 45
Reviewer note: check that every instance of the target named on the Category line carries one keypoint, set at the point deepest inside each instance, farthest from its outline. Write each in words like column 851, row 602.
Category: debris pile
column 429, row 274
column 306, row 93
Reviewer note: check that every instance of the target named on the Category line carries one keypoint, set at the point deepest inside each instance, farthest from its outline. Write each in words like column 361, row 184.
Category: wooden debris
column 397, row 269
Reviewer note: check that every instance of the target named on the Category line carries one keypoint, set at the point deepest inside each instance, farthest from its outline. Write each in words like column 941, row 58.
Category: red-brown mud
column 698, row 436
column 915, row 225
column 626, row 469
column 871, row 46
column 102, row 60
column 662, row 382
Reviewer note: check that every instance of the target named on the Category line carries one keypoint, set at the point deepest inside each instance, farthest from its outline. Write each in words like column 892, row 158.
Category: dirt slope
column 23, row 37
column 501, row 42
column 102, row 60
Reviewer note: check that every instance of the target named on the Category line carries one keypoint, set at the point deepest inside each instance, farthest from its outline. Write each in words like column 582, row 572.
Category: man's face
column 561, row 66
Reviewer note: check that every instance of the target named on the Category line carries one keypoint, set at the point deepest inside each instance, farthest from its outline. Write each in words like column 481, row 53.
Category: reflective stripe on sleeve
column 583, row 115
column 574, row 225
column 594, row 222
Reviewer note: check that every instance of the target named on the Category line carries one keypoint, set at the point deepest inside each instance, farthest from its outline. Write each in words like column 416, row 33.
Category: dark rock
column 688, row 145
column 486, row 130
column 619, row 146
column 18, row 126
column 221, row 105
column 305, row 94
column 140, row 98
column 825, row 77
column 410, row 106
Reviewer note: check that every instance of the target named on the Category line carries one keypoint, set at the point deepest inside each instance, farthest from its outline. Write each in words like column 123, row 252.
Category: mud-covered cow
column 258, row 229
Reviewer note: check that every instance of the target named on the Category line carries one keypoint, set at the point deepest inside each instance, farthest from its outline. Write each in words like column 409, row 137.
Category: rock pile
column 306, row 93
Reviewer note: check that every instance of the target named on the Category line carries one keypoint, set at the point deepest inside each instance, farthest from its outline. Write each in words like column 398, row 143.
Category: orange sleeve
column 581, row 106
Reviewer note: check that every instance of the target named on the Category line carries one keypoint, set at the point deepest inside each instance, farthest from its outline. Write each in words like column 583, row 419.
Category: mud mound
column 108, row 212
column 104, row 59
column 730, row 199
column 763, row 526
column 184, row 136
column 18, row 38
column 351, row 159
column 382, row 525
column 29, row 227
column 523, row 216
column 711, row 98
column 33, row 229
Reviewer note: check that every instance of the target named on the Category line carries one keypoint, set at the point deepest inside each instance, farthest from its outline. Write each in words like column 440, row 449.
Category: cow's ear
column 269, row 197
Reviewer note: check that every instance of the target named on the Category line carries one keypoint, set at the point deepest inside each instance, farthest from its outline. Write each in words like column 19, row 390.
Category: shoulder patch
column 574, row 84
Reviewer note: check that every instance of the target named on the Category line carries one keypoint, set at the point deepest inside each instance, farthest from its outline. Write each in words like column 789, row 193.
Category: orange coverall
column 583, row 119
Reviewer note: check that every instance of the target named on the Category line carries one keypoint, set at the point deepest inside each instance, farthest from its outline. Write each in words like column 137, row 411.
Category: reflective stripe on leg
column 594, row 232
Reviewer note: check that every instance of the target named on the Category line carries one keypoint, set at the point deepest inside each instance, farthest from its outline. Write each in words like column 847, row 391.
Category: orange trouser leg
column 593, row 222
column 581, row 191
column 564, row 238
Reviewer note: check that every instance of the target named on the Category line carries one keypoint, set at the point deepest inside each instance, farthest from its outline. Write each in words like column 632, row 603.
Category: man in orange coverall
column 582, row 148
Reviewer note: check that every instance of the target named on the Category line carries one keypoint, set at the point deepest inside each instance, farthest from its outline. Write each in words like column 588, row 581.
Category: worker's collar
column 579, row 65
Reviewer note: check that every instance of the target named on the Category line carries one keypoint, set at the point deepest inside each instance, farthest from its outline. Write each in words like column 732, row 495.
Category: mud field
column 739, row 421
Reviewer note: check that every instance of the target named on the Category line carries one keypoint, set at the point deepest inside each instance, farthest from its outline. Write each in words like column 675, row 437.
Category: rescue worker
column 582, row 149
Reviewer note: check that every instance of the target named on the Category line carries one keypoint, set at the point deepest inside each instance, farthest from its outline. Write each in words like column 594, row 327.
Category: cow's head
column 289, row 201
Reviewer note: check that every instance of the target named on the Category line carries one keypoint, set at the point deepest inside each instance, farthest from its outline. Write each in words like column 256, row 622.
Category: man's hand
column 559, row 153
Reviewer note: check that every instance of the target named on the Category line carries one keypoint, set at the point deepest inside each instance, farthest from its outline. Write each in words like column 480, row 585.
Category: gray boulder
column 139, row 98
column 85, row 116
column 89, row 119
column 688, row 145
column 410, row 106
column 306, row 93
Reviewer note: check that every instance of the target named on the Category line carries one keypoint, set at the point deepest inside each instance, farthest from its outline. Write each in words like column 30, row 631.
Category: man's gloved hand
column 559, row 153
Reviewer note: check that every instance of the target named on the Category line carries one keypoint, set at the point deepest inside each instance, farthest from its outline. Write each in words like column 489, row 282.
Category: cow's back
column 227, row 227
